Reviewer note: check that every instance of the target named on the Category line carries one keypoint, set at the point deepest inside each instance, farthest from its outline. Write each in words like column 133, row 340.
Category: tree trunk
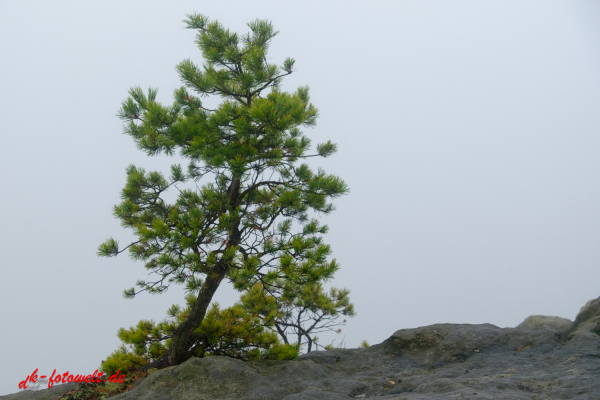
column 180, row 340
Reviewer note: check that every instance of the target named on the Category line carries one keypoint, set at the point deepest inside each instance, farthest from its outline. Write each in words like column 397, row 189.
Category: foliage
column 124, row 360
column 232, row 332
column 364, row 344
column 249, row 222
column 301, row 313
column 104, row 389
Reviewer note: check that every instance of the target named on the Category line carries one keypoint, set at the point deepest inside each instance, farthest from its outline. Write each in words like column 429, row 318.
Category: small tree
column 250, row 222
column 301, row 314
column 232, row 332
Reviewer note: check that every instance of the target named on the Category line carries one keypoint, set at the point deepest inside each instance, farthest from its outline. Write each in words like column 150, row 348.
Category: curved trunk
column 180, row 340
column 182, row 336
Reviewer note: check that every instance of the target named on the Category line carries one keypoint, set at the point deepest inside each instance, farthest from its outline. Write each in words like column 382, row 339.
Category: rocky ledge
column 542, row 358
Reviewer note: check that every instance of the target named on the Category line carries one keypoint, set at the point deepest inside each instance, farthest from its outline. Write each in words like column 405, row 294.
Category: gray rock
column 591, row 325
column 561, row 325
column 587, row 312
column 44, row 394
column 443, row 361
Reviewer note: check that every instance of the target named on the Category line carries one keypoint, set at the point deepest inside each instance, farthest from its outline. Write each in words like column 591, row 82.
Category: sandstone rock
column 44, row 394
column 591, row 325
column 561, row 325
column 443, row 361
column 226, row 378
column 590, row 310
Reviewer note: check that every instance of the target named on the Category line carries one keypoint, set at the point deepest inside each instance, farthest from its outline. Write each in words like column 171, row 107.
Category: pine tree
column 232, row 332
column 299, row 314
column 249, row 221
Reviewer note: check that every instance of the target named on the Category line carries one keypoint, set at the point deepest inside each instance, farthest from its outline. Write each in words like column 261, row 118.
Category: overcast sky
column 468, row 133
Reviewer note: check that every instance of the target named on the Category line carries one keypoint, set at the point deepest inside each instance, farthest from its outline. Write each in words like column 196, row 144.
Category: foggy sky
column 468, row 133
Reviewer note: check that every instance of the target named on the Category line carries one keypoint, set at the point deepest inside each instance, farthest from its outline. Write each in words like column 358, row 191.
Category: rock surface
column 443, row 361
column 587, row 312
column 44, row 394
column 561, row 325
column 588, row 319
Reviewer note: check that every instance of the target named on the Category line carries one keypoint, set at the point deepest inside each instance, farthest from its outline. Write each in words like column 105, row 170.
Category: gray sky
column 468, row 133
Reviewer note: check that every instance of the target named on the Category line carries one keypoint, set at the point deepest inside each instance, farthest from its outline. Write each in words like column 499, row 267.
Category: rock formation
column 542, row 358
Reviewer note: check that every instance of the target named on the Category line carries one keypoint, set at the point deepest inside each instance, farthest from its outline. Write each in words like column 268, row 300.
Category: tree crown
column 251, row 220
